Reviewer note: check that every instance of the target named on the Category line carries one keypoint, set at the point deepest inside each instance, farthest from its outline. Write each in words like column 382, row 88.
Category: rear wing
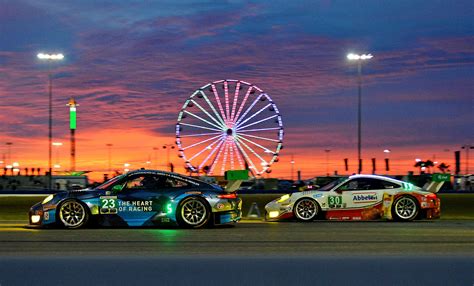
column 234, row 178
column 437, row 181
column 433, row 187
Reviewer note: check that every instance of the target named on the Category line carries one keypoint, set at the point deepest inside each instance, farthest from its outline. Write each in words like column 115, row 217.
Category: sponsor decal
column 165, row 219
column 46, row 216
column 317, row 196
column 111, row 205
column 219, row 206
column 364, row 198
column 135, row 206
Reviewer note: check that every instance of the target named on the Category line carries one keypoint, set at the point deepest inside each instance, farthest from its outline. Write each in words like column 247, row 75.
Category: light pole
column 9, row 146
column 156, row 157
column 50, row 58
column 359, row 59
column 109, row 149
column 467, row 147
column 57, row 145
column 327, row 161
column 168, row 147
column 292, row 162
column 387, row 156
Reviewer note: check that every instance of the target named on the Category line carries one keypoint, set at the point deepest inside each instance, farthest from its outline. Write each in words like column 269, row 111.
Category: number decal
column 108, row 205
column 334, row 201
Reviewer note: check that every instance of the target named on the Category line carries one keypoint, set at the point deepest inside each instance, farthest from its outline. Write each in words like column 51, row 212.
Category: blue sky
column 131, row 64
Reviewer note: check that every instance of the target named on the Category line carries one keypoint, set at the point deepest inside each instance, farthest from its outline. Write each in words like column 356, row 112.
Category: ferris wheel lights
column 228, row 115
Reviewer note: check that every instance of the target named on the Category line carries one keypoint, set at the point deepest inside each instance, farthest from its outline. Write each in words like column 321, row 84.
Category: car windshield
column 331, row 185
column 110, row 182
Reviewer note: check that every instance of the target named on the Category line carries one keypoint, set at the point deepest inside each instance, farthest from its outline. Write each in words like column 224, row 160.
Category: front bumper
column 40, row 215
column 275, row 211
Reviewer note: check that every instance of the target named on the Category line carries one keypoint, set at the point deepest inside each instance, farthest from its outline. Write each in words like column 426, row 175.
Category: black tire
column 306, row 209
column 193, row 212
column 405, row 208
column 72, row 214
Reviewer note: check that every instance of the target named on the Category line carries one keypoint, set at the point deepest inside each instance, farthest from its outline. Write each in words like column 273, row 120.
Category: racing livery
column 359, row 197
column 140, row 198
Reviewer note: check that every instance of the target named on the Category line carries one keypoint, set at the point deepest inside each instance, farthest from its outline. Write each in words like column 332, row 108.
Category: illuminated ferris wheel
column 229, row 125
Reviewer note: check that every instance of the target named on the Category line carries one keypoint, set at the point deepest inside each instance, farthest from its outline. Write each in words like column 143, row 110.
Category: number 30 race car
column 140, row 198
column 360, row 197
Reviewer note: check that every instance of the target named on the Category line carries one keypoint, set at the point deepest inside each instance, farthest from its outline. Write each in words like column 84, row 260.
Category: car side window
column 362, row 184
column 390, row 185
column 175, row 183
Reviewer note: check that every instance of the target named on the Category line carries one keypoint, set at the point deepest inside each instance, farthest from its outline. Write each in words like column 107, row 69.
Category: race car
column 140, row 198
column 359, row 197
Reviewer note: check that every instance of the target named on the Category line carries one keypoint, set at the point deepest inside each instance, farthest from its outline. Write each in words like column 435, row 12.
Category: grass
column 453, row 206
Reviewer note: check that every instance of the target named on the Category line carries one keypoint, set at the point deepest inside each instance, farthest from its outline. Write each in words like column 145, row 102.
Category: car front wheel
column 405, row 208
column 306, row 209
column 73, row 214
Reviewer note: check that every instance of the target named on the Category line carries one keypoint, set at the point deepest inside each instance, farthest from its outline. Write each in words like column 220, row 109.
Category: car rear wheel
column 73, row 214
column 405, row 208
column 306, row 209
column 193, row 212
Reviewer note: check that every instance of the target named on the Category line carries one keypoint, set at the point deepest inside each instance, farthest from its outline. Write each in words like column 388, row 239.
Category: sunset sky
column 132, row 64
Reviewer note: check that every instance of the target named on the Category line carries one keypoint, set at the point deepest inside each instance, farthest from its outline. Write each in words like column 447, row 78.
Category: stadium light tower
column 50, row 58
column 359, row 59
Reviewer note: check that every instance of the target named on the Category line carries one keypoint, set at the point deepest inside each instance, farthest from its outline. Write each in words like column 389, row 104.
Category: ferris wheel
column 229, row 125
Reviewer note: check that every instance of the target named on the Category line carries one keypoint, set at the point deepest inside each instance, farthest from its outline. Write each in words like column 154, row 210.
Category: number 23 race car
column 360, row 197
column 140, row 198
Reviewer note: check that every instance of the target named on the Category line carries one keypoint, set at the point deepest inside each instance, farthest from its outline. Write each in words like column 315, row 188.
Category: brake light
column 228, row 196
column 431, row 196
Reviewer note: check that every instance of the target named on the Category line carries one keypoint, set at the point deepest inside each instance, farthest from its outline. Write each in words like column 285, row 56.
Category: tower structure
column 72, row 127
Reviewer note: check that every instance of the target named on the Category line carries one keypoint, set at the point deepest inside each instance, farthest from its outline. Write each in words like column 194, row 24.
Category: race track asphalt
column 251, row 253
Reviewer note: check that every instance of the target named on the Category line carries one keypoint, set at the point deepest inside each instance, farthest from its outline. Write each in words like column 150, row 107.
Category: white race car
column 359, row 197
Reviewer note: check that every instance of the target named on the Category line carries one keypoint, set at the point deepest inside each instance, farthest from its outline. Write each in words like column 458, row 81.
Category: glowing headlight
column 273, row 214
column 47, row 199
column 283, row 198
column 35, row 218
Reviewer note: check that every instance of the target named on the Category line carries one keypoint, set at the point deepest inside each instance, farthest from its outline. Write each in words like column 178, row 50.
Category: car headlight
column 47, row 199
column 283, row 198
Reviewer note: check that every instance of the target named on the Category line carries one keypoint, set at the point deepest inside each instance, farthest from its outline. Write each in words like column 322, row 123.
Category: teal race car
column 140, row 198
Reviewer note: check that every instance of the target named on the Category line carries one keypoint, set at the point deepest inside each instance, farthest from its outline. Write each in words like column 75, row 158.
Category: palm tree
column 424, row 164
column 443, row 167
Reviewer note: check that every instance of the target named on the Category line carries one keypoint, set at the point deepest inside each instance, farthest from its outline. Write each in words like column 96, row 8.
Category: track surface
column 289, row 238
column 252, row 253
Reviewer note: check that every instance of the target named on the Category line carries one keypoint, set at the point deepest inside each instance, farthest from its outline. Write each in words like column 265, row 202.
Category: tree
column 443, row 167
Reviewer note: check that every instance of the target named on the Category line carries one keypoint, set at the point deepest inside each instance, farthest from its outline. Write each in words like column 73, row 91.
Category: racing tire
column 193, row 212
column 405, row 208
column 306, row 209
column 72, row 214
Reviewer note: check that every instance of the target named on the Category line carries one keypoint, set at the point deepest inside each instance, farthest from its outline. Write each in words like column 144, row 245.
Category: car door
column 136, row 202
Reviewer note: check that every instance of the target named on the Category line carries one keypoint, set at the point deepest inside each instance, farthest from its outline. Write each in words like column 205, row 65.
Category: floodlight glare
column 352, row 56
column 43, row 56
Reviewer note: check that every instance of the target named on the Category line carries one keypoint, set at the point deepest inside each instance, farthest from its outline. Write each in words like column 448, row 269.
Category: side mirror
column 117, row 188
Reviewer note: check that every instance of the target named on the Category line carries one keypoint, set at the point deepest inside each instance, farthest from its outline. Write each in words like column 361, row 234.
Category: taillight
column 431, row 196
column 228, row 196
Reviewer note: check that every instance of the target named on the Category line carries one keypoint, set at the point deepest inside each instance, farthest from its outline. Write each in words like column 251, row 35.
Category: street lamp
column 109, row 149
column 387, row 156
column 50, row 58
column 327, row 161
column 57, row 145
column 168, row 147
column 292, row 162
column 359, row 59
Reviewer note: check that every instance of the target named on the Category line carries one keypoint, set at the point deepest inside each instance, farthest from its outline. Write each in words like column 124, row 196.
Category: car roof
column 169, row 174
column 376, row 177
